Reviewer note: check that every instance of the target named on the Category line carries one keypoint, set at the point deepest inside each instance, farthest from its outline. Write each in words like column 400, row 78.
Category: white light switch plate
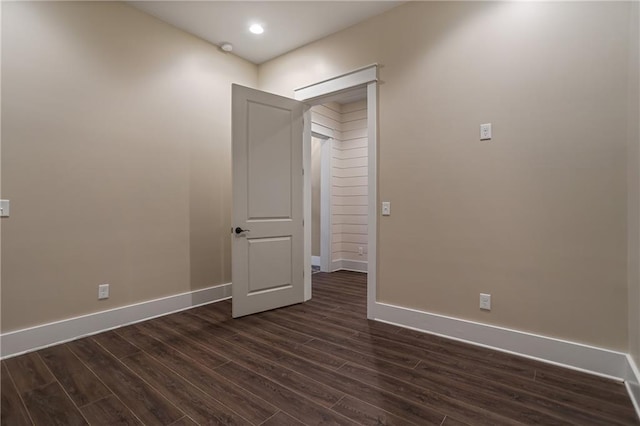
column 485, row 301
column 4, row 208
column 386, row 208
column 485, row 132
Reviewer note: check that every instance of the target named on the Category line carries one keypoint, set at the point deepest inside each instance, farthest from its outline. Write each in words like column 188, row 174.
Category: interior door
column 267, row 235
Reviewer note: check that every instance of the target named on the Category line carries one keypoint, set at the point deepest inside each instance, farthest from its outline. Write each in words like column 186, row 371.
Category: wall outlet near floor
column 4, row 208
column 360, row 251
column 485, row 301
column 103, row 291
column 485, row 132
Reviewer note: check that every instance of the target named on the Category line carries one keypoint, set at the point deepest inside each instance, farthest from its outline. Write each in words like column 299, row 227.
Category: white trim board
column 306, row 202
column 372, row 208
column 315, row 260
column 573, row 355
column 349, row 265
column 326, row 237
column 320, row 131
column 32, row 338
column 632, row 382
column 340, row 83
column 576, row 356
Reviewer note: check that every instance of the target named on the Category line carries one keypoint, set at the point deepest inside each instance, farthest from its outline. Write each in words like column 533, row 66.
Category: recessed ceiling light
column 256, row 29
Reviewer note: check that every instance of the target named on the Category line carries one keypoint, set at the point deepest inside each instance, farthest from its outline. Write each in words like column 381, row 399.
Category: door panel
column 267, row 259
column 269, row 147
column 270, row 264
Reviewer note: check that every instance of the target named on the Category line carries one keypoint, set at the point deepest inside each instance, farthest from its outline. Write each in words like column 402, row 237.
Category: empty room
column 319, row 213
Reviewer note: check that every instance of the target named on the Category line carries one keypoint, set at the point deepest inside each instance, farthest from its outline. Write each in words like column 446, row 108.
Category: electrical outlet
column 485, row 301
column 103, row 291
column 485, row 132
column 4, row 208
column 360, row 251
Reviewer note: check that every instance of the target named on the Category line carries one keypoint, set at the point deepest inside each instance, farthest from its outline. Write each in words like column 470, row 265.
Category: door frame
column 325, row 135
column 317, row 94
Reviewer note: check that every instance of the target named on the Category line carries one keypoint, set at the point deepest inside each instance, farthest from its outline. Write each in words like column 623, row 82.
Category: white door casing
column 325, row 135
column 326, row 153
column 267, row 156
column 333, row 89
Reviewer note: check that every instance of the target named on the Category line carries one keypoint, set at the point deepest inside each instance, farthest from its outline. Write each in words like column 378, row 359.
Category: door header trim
column 352, row 79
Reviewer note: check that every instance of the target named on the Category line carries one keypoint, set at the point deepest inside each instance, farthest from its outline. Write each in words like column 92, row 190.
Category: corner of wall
column 1, row 5
column 633, row 184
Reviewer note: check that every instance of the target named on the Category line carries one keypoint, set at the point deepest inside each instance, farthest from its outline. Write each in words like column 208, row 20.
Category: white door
column 267, row 239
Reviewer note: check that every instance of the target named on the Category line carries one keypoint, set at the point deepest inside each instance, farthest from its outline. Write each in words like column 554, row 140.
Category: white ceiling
column 287, row 24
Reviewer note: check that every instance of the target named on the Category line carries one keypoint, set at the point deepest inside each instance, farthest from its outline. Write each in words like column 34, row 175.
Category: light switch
column 485, row 132
column 386, row 208
column 4, row 208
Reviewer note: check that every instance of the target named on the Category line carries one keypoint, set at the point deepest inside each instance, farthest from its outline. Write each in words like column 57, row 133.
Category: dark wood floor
column 317, row 363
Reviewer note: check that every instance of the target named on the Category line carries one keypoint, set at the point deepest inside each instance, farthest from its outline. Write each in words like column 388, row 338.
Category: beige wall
column 1, row 194
column 537, row 216
column 633, row 158
column 116, row 158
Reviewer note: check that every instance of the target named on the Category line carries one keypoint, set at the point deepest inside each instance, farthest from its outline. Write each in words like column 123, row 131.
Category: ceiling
column 287, row 24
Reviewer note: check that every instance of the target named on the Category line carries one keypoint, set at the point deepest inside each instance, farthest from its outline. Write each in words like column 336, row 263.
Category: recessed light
column 256, row 29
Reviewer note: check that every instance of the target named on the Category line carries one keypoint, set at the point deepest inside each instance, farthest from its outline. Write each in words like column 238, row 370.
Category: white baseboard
column 632, row 381
column 315, row 260
column 32, row 338
column 573, row 355
column 349, row 265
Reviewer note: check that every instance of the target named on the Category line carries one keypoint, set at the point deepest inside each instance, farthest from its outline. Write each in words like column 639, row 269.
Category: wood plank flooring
column 317, row 363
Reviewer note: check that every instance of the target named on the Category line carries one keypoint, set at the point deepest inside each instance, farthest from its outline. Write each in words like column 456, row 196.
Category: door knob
column 239, row 230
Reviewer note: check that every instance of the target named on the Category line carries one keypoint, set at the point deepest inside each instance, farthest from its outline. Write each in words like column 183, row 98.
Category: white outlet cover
column 103, row 291
column 485, row 132
column 4, row 208
column 485, row 301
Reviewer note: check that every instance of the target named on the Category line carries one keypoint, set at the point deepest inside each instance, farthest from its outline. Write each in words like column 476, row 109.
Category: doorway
column 321, row 156
column 271, row 139
column 339, row 187
column 362, row 84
